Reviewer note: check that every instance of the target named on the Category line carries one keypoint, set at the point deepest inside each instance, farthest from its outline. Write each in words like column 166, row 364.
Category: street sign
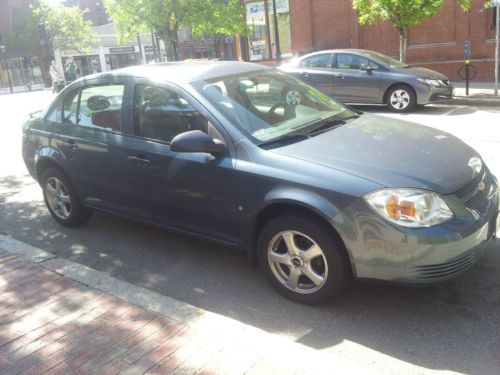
column 466, row 49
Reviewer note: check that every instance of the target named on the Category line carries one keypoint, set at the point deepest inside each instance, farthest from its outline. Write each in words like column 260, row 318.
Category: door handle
column 341, row 76
column 72, row 144
column 135, row 159
column 305, row 74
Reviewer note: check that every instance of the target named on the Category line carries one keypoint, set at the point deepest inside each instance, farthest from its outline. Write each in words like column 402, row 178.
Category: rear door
column 355, row 84
column 90, row 136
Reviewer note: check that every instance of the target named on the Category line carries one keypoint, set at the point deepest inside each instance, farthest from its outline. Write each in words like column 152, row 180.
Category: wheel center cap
column 297, row 262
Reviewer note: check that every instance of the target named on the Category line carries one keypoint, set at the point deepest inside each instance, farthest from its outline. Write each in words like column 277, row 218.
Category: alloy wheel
column 58, row 198
column 297, row 262
column 400, row 99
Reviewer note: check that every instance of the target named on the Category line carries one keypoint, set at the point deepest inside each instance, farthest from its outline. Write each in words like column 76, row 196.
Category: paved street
column 453, row 327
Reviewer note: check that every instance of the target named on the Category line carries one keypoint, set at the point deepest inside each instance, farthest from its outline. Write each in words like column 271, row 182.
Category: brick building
column 95, row 10
column 437, row 43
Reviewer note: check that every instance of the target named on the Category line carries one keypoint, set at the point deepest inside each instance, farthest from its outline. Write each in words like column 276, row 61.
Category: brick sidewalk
column 51, row 324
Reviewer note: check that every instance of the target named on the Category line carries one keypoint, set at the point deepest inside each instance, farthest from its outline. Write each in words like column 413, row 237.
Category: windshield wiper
column 330, row 124
column 285, row 138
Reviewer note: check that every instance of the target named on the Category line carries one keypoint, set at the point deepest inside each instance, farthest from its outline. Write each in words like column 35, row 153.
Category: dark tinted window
column 55, row 114
column 161, row 114
column 318, row 61
column 348, row 61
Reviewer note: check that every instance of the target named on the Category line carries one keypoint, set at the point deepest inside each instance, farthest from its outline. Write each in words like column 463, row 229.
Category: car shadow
column 431, row 109
column 452, row 326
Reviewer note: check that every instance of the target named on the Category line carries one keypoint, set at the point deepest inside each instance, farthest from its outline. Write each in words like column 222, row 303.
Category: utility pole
column 276, row 34
column 496, row 43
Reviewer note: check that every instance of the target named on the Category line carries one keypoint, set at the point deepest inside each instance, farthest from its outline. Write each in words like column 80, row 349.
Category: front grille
column 437, row 271
column 467, row 191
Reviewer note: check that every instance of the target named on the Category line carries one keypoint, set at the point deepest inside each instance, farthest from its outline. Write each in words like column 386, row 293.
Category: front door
column 193, row 192
column 317, row 72
column 353, row 83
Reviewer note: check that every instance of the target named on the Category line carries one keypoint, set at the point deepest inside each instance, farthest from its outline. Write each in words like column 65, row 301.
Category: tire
column 62, row 200
column 401, row 98
column 328, row 262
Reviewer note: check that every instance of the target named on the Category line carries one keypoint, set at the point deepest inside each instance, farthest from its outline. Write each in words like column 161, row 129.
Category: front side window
column 70, row 108
column 267, row 105
column 161, row 114
column 348, row 61
column 318, row 61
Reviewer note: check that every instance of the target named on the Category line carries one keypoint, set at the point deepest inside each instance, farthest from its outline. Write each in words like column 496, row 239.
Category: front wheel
column 401, row 98
column 302, row 259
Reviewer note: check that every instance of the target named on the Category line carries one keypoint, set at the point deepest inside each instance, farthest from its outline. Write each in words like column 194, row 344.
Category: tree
column 64, row 27
column 22, row 39
column 218, row 19
column 401, row 13
column 165, row 17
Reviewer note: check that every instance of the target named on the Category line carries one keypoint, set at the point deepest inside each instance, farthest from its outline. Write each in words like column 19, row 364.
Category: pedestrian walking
column 57, row 78
column 71, row 69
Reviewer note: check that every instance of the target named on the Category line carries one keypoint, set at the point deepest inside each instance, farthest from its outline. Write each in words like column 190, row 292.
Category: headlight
column 430, row 82
column 411, row 208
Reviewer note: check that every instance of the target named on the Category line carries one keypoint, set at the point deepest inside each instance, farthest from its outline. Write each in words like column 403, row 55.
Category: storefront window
column 260, row 47
column 256, row 21
column 122, row 60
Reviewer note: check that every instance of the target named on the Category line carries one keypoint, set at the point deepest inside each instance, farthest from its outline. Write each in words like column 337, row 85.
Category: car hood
column 421, row 73
column 390, row 152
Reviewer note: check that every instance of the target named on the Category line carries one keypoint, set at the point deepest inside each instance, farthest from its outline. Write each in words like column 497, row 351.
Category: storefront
column 261, row 37
column 121, row 57
column 20, row 74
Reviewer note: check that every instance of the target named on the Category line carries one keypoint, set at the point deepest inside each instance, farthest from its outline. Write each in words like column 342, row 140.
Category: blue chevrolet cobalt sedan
column 250, row 157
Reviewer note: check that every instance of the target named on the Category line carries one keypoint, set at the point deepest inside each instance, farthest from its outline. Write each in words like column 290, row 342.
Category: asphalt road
column 452, row 327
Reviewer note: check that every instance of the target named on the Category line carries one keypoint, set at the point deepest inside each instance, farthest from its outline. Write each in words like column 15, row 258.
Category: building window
column 494, row 19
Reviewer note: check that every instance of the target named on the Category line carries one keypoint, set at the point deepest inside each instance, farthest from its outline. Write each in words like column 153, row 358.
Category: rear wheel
column 401, row 98
column 62, row 200
column 302, row 260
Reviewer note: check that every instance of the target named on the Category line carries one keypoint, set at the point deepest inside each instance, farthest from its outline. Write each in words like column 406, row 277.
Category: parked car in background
column 362, row 76
column 250, row 157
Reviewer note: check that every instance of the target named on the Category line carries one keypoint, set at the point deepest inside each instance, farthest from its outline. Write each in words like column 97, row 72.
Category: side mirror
column 197, row 141
column 368, row 68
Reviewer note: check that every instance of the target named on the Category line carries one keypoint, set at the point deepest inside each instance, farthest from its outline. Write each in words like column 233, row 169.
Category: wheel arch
column 319, row 210
column 386, row 92
column 48, row 157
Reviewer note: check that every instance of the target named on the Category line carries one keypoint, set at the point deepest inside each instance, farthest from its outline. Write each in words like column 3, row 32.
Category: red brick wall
column 436, row 43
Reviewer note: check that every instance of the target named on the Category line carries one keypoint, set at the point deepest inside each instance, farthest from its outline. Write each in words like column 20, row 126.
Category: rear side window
column 95, row 106
column 318, row 61
column 101, row 106
column 161, row 114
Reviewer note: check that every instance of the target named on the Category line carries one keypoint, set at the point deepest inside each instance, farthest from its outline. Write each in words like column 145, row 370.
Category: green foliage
column 65, row 27
column 165, row 17
column 23, row 38
column 208, row 17
column 401, row 13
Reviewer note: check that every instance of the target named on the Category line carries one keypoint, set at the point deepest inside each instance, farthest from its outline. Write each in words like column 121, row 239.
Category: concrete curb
column 223, row 328
column 471, row 101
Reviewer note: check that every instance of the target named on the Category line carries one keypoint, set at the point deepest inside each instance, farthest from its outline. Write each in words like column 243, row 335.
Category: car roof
column 346, row 50
column 183, row 72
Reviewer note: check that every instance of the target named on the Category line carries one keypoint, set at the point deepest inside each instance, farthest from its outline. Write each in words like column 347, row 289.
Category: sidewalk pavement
column 480, row 94
column 59, row 317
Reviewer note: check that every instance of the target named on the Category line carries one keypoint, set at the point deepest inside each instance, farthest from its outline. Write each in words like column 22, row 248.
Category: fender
column 54, row 156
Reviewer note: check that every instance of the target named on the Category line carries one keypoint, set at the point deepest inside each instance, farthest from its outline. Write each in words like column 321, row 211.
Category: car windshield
column 269, row 104
column 385, row 59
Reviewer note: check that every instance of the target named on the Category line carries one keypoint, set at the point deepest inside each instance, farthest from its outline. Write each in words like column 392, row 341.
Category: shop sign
column 130, row 49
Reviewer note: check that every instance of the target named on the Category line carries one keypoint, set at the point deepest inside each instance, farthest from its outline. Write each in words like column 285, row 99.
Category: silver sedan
column 362, row 76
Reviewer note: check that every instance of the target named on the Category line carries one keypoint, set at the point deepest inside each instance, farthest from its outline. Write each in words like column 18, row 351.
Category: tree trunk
column 169, row 45
column 403, row 40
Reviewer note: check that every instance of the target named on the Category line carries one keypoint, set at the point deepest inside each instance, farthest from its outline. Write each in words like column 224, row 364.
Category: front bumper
column 383, row 251
column 427, row 94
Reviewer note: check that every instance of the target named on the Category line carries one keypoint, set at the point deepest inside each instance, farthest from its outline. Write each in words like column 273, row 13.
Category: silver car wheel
column 58, row 198
column 293, row 98
column 297, row 262
column 400, row 99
